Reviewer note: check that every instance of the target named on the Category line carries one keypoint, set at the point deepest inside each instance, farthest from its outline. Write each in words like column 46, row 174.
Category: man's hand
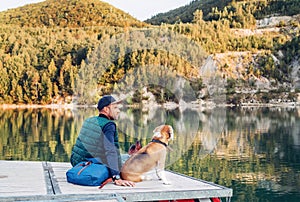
column 126, row 183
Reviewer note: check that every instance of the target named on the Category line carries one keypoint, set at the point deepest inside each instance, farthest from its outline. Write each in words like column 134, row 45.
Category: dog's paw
column 167, row 183
column 146, row 178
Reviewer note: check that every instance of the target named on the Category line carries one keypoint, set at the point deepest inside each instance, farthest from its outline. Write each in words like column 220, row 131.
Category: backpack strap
column 85, row 165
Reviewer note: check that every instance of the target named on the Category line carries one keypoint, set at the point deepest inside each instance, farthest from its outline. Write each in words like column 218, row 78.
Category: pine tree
column 4, row 82
column 46, row 93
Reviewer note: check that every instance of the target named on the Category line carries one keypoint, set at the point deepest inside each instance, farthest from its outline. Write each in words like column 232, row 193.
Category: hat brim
column 116, row 102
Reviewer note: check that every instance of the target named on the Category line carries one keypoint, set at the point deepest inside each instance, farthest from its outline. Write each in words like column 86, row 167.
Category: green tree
column 198, row 17
column 47, row 90
column 4, row 82
column 66, row 77
column 85, row 85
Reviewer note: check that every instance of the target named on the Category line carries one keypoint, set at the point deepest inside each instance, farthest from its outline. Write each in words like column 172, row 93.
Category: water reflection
column 255, row 151
column 189, row 125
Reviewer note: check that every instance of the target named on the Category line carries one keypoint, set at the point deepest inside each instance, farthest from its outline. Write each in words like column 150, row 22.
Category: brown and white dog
column 152, row 156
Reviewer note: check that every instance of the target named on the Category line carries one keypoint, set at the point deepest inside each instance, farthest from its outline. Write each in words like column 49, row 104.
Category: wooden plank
column 19, row 178
column 50, row 179
column 62, row 197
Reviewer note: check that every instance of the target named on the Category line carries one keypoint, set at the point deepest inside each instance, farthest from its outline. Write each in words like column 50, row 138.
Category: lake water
column 254, row 151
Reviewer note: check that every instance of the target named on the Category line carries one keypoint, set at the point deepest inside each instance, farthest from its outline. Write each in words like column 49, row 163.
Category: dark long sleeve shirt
column 111, row 151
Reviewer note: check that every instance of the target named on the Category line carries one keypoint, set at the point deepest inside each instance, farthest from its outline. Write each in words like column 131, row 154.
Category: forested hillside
column 69, row 13
column 236, row 10
column 55, row 51
column 184, row 14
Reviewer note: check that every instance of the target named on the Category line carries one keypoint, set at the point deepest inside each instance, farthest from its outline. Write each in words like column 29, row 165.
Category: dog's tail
column 135, row 147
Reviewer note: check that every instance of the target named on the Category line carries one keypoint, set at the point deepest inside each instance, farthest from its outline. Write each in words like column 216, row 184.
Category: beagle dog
column 152, row 156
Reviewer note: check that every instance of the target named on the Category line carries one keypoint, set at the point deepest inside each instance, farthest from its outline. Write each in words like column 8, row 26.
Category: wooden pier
column 46, row 181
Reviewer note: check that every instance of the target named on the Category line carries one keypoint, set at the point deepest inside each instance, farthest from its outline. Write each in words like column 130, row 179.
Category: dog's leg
column 160, row 172
column 146, row 177
column 150, row 175
column 162, row 176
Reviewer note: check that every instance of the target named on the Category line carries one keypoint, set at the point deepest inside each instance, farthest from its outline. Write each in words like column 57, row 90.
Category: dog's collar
column 160, row 142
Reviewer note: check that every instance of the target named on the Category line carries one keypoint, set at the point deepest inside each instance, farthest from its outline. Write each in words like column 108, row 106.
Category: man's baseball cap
column 107, row 100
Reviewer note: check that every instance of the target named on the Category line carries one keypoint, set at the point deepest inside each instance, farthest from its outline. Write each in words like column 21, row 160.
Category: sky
column 140, row 9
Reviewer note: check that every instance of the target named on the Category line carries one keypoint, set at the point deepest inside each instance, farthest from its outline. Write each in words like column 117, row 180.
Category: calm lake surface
column 254, row 151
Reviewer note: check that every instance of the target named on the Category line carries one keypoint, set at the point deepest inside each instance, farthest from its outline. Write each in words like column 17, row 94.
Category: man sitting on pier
column 102, row 144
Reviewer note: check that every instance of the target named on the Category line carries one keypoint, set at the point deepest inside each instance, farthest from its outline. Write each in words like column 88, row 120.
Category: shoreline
column 36, row 106
column 167, row 106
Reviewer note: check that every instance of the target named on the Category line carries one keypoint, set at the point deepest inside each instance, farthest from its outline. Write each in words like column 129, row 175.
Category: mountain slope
column 46, row 47
column 185, row 13
column 211, row 10
column 69, row 13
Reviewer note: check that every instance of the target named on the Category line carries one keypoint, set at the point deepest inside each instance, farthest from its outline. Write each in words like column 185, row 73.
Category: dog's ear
column 158, row 128
column 171, row 132
column 157, row 134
